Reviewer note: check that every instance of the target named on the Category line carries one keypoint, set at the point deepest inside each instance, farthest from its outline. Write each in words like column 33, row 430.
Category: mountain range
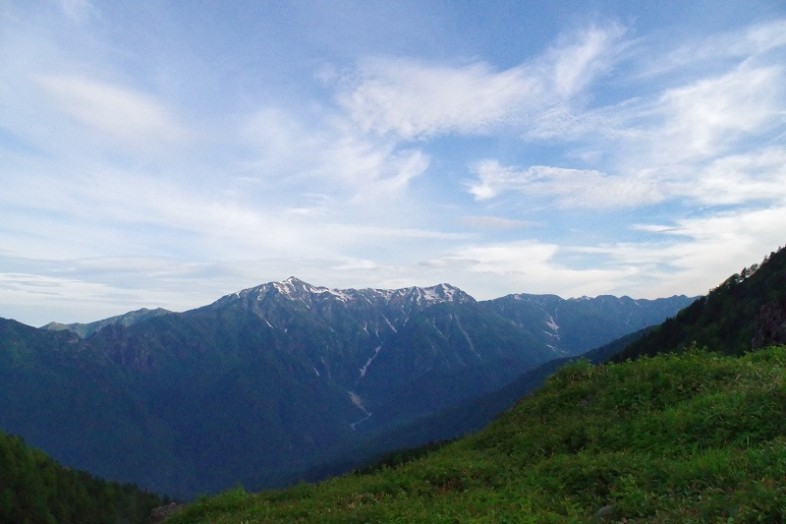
column 695, row 432
column 263, row 385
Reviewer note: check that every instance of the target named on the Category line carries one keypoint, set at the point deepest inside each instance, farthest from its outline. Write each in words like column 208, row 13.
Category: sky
column 164, row 154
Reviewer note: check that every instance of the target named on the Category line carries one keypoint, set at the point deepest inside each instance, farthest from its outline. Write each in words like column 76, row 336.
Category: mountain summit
column 263, row 385
column 294, row 289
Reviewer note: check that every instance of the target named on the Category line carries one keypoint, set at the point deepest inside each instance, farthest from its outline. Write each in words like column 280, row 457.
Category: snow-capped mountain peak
column 295, row 289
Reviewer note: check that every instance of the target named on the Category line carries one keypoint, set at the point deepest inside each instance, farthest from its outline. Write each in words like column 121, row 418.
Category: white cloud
column 356, row 265
column 354, row 176
column 691, row 117
column 695, row 254
column 704, row 51
column 580, row 58
column 568, row 187
column 708, row 140
column 496, row 222
column 531, row 266
column 326, row 150
column 519, row 257
column 129, row 117
column 279, row 140
column 736, row 231
column 42, row 298
column 758, row 176
column 415, row 100
column 706, row 117
column 688, row 257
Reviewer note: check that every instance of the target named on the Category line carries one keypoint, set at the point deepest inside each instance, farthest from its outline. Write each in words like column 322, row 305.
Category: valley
column 278, row 382
column 288, row 382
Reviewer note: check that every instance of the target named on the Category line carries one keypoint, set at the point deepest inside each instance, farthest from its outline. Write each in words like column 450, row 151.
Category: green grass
column 696, row 437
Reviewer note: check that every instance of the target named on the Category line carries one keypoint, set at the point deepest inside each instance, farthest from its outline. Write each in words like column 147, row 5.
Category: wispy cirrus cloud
column 415, row 100
column 326, row 151
column 707, row 140
column 752, row 42
column 736, row 179
column 689, row 255
column 411, row 99
column 578, row 59
column 566, row 187
column 740, row 179
column 705, row 118
column 129, row 117
column 496, row 222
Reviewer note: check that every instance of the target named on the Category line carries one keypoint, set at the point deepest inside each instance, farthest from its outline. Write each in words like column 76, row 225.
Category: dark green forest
column 746, row 311
column 35, row 489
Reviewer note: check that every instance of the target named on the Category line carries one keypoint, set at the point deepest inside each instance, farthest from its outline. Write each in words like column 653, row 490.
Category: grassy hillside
column 694, row 437
column 35, row 489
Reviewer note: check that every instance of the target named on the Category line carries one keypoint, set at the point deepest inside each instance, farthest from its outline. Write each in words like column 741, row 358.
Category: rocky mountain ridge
column 263, row 384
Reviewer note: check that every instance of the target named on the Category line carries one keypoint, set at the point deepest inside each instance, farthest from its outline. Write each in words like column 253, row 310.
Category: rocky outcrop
column 770, row 325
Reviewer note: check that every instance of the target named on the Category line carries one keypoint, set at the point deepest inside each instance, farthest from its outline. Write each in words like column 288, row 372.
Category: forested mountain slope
column 746, row 311
column 35, row 489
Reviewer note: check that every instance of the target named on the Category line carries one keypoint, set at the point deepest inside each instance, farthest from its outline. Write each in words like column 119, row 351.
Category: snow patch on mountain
column 467, row 337
column 357, row 401
column 369, row 361
column 297, row 290
column 391, row 326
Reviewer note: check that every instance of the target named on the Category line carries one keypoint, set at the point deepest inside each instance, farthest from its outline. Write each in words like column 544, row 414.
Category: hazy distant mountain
column 85, row 330
column 576, row 325
column 265, row 383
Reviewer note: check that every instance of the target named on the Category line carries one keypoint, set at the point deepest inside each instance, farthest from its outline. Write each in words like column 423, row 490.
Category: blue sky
column 168, row 153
